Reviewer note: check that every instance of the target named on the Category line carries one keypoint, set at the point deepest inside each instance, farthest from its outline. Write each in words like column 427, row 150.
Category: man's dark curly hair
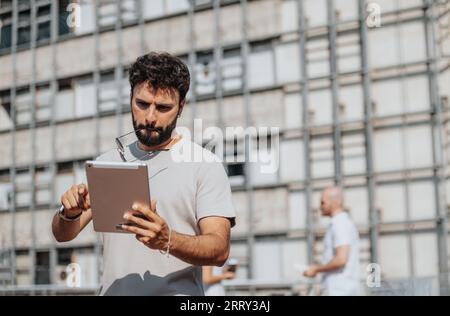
column 162, row 71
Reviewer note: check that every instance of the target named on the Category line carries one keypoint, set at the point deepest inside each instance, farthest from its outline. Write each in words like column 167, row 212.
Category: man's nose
column 151, row 117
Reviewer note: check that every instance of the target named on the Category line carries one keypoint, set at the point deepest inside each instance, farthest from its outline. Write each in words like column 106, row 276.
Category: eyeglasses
column 122, row 143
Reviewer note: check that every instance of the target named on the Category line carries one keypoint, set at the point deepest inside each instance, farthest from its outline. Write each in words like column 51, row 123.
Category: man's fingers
column 66, row 203
column 143, row 239
column 153, row 206
column 82, row 189
column 146, row 212
column 136, row 230
column 83, row 203
column 88, row 200
column 73, row 195
column 72, row 201
column 82, row 194
column 142, row 222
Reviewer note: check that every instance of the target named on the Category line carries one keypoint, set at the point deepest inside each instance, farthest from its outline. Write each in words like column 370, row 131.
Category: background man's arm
column 338, row 262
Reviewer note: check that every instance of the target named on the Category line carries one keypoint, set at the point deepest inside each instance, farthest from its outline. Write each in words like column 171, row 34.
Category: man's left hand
column 311, row 272
column 149, row 228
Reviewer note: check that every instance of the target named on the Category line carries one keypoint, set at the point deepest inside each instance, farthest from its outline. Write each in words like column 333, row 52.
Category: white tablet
column 113, row 188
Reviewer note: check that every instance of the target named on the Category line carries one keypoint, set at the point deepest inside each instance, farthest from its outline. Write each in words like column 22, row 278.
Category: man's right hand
column 76, row 200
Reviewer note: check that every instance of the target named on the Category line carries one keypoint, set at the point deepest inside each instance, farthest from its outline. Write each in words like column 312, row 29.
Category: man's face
column 154, row 114
column 325, row 204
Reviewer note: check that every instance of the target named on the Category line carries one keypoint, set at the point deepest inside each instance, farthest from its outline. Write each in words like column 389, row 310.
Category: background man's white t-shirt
column 215, row 289
column 340, row 232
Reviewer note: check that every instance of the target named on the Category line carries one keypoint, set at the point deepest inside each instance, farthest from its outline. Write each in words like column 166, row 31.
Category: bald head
column 331, row 201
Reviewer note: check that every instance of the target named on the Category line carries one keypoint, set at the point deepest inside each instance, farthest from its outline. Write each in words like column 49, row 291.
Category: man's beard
column 162, row 134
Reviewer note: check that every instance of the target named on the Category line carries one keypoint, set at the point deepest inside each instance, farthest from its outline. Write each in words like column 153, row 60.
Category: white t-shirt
column 185, row 193
column 340, row 232
column 215, row 289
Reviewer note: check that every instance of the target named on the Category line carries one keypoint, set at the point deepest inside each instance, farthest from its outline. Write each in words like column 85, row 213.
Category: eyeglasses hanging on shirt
column 122, row 143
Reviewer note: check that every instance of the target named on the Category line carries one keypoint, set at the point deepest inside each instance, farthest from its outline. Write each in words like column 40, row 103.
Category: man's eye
column 163, row 108
column 142, row 105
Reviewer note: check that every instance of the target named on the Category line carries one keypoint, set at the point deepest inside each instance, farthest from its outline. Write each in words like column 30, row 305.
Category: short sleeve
column 342, row 233
column 214, row 192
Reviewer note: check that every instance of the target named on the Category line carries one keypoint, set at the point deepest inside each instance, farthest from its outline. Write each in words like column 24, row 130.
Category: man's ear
column 182, row 104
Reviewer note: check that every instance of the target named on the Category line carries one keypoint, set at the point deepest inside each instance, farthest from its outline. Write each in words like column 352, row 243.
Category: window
column 87, row 18
column 359, row 206
column 392, row 45
column 318, row 64
column 174, row 6
column 5, row 31
column 43, row 106
column 348, row 53
column 261, row 68
column 234, row 158
column 293, row 115
column 346, row 10
column 5, row 192
column 230, row 67
column 152, row 9
column 64, row 179
column 108, row 92
column 85, row 99
column 297, row 210
column 23, row 276
column 232, row 70
column 353, row 153
column 397, row 96
column 291, row 160
column 315, row 14
column 43, row 180
column 289, row 20
column 351, row 102
column 288, row 65
column 25, row 20
column 322, row 157
column 64, row 103
column 23, row 108
column 5, row 113
column 205, row 74
column 23, row 104
column 42, row 268
column 236, row 169
column 65, row 256
column 396, row 148
column 23, row 188
column 108, row 12
column 320, row 107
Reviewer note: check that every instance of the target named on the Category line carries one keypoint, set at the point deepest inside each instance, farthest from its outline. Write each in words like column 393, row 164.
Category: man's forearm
column 66, row 231
column 333, row 265
column 199, row 250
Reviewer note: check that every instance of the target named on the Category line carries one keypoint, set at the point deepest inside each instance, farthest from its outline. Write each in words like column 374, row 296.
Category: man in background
column 340, row 261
